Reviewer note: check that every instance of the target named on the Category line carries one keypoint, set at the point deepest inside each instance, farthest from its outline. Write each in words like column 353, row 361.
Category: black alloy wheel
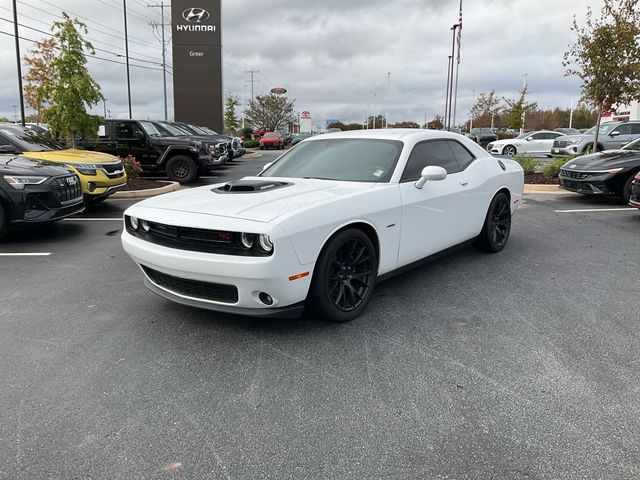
column 345, row 276
column 497, row 225
column 626, row 189
column 509, row 150
column 182, row 169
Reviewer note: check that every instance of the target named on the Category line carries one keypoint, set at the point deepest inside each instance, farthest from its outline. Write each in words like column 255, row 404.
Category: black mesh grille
column 194, row 288
column 575, row 175
column 561, row 143
column 68, row 188
column 114, row 170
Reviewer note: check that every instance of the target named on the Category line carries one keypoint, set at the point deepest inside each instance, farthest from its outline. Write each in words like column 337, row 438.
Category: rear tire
column 4, row 222
column 182, row 169
column 345, row 276
column 497, row 225
column 626, row 190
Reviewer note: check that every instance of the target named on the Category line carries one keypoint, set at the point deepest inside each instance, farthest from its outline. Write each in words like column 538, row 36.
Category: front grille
column 113, row 170
column 196, row 239
column 214, row 292
column 67, row 188
column 70, row 210
column 574, row 174
column 561, row 143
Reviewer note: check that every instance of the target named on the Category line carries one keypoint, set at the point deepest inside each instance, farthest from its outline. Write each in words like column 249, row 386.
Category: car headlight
column 575, row 142
column 133, row 223
column 246, row 240
column 144, row 225
column 84, row 168
column 264, row 243
column 19, row 181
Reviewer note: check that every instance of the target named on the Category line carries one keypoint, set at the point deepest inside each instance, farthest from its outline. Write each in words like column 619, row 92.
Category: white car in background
column 323, row 222
column 533, row 143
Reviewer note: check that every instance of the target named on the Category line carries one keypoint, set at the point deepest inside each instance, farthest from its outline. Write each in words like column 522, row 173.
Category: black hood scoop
column 250, row 186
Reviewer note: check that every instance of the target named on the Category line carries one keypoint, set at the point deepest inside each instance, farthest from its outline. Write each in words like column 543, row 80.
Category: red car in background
column 271, row 140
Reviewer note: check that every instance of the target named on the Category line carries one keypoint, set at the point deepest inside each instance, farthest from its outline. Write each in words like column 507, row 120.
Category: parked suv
column 100, row 174
column 613, row 135
column 36, row 191
column 182, row 159
column 482, row 136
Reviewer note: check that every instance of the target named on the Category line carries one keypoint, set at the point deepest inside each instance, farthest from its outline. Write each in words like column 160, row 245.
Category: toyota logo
column 196, row 15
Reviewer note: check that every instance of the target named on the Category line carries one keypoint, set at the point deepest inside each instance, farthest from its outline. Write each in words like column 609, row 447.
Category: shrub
column 131, row 166
column 552, row 169
column 246, row 133
column 251, row 143
column 527, row 162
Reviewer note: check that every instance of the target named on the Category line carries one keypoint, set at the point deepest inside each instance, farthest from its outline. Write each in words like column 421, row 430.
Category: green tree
column 40, row 71
column 377, row 122
column 517, row 109
column 405, row 124
column 71, row 91
column 485, row 109
column 606, row 56
column 270, row 112
column 436, row 124
column 231, row 122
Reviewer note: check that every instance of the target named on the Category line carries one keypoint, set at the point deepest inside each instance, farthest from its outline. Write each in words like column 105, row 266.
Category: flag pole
column 455, row 98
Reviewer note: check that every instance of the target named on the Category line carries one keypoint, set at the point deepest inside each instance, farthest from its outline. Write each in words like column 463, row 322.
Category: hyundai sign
column 197, row 62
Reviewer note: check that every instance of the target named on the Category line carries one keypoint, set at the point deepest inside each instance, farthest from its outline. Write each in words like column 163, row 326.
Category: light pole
column 524, row 89
column 20, row 91
column 453, row 51
column 126, row 52
column 104, row 105
column 15, row 113
column 446, row 95
column 386, row 101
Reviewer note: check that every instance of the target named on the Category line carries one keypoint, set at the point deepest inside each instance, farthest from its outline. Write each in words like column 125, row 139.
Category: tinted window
column 553, row 135
column 623, row 129
column 28, row 140
column 635, row 128
column 435, row 152
column 539, row 136
column 462, row 155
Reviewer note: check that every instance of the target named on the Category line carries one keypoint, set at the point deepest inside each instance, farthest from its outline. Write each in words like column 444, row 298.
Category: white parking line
column 586, row 210
column 24, row 254
column 88, row 219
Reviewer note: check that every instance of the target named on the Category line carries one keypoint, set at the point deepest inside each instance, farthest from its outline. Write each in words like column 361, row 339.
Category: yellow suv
column 100, row 174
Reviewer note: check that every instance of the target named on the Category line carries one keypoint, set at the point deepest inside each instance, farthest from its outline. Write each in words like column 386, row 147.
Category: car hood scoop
column 250, row 186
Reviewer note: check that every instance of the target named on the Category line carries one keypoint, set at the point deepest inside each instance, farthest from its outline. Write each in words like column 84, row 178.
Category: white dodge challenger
column 323, row 223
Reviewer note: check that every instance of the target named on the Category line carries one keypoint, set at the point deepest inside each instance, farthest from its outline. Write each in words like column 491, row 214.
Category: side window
column 124, row 130
column 434, row 152
column 4, row 141
column 623, row 129
column 539, row 136
column 461, row 154
column 553, row 136
column 635, row 128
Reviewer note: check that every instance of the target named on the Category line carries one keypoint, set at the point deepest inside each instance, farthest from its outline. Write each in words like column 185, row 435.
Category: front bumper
column 211, row 161
column 587, row 187
column 183, row 276
column 568, row 149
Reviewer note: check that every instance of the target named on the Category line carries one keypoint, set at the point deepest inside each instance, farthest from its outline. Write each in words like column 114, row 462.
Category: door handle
column 464, row 183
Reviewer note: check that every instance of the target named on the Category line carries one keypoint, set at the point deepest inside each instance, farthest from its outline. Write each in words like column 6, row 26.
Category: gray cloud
column 332, row 56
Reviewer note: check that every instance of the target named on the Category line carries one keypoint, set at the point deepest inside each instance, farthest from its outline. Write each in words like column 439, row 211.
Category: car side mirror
column 8, row 149
column 614, row 134
column 430, row 173
column 528, row 139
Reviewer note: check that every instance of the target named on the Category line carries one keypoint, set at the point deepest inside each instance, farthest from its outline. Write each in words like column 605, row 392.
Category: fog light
column 133, row 223
column 265, row 298
column 91, row 186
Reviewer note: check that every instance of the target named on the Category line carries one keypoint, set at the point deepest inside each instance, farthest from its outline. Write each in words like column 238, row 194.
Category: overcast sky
column 333, row 56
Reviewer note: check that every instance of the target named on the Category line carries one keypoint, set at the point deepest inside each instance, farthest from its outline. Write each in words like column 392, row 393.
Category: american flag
column 459, row 39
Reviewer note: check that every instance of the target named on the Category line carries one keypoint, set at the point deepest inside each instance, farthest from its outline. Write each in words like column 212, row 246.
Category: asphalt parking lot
column 520, row 365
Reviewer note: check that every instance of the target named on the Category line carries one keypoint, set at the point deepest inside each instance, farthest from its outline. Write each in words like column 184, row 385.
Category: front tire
column 509, row 150
column 626, row 190
column 497, row 225
column 345, row 276
column 182, row 169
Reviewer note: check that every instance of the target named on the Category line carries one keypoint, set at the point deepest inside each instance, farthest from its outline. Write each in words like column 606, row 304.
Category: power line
column 252, row 72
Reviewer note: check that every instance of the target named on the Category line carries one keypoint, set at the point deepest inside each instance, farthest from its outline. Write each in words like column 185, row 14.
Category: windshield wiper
column 318, row 178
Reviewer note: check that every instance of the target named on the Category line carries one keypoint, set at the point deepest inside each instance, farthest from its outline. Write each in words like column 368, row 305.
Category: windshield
column 635, row 145
column 271, row 135
column 30, row 140
column 195, row 129
column 604, row 129
column 150, row 129
column 350, row 159
column 171, row 129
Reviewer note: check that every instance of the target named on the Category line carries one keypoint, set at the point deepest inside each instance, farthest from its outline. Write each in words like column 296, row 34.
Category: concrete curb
column 151, row 192
column 250, row 155
column 555, row 189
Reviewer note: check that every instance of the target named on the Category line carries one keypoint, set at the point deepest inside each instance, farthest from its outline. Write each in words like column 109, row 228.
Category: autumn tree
column 485, row 108
column 231, row 122
column 270, row 112
column 40, row 72
column 405, row 124
column 517, row 109
column 606, row 56
column 436, row 124
column 72, row 90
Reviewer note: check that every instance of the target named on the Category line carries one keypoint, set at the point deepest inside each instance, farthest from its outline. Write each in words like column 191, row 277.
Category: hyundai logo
column 196, row 15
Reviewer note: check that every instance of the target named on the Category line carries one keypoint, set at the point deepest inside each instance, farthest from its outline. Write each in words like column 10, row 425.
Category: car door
column 431, row 216
column 534, row 143
column 132, row 140
column 618, row 137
